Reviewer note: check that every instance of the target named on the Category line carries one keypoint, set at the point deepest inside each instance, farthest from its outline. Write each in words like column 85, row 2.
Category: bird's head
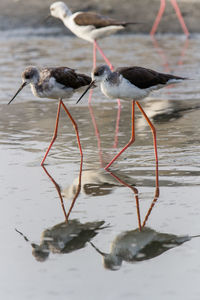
column 30, row 75
column 59, row 10
column 100, row 73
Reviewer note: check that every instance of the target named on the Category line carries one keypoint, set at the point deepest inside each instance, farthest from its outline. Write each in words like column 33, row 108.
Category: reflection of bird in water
column 95, row 182
column 135, row 245
column 98, row 182
column 165, row 111
column 64, row 238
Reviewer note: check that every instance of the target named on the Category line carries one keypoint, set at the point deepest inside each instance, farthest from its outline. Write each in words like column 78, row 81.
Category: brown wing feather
column 69, row 77
column 145, row 78
column 97, row 20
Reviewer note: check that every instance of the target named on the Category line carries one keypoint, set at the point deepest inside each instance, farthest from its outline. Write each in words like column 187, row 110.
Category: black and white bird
column 54, row 83
column 89, row 26
column 131, row 83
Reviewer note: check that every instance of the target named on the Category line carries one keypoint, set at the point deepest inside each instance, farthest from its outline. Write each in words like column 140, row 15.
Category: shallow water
column 30, row 201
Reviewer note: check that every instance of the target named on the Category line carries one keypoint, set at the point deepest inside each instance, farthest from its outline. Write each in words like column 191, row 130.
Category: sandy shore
column 27, row 13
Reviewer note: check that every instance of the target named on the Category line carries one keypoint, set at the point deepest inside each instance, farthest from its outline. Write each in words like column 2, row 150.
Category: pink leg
column 103, row 55
column 97, row 134
column 55, row 133
column 81, row 153
column 91, row 110
column 94, row 55
column 117, row 124
column 56, row 130
column 158, row 18
column 131, row 139
column 96, row 46
column 94, row 66
column 119, row 104
column 151, row 206
column 180, row 17
column 154, row 139
column 75, row 127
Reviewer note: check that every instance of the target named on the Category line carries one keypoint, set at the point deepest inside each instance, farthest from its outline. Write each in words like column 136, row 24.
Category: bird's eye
column 96, row 73
column 27, row 76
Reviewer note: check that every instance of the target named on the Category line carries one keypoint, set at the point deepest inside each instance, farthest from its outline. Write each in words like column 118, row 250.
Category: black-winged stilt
column 130, row 83
column 54, row 83
column 89, row 26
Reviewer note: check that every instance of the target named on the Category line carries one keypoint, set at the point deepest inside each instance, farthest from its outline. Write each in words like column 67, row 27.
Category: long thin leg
column 154, row 139
column 97, row 134
column 55, row 133
column 81, row 163
column 132, row 139
column 117, row 124
column 94, row 66
column 135, row 191
column 151, row 206
column 180, row 17
column 75, row 127
column 158, row 18
column 118, row 100
column 94, row 55
column 103, row 55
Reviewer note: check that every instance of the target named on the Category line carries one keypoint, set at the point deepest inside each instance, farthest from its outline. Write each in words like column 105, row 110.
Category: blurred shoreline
column 16, row 14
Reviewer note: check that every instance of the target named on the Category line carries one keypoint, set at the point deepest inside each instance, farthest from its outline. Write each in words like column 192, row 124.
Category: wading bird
column 54, row 83
column 89, row 26
column 131, row 83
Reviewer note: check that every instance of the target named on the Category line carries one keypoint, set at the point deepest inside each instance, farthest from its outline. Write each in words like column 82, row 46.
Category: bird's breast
column 122, row 89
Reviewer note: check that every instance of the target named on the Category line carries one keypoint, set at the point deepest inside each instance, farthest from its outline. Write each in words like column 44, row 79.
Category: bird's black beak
column 89, row 87
column 99, row 251
column 19, row 90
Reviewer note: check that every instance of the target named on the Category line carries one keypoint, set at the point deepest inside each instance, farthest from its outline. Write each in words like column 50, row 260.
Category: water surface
column 30, row 201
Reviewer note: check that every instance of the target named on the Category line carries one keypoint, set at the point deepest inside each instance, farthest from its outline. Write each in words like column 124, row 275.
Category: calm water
column 162, row 262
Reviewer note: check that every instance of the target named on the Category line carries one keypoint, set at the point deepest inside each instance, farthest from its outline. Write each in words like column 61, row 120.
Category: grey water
column 59, row 261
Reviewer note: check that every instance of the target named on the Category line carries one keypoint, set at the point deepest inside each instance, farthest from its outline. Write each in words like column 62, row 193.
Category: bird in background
column 55, row 83
column 89, row 26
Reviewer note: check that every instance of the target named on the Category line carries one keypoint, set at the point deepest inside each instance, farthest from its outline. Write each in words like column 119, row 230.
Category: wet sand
column 22, row 13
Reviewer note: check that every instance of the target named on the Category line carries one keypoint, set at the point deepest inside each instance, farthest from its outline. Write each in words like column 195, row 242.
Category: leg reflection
column 161, row 52
column 135, row 191
column 59, row 191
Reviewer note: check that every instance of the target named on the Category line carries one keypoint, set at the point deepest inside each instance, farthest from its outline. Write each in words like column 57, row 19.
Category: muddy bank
column 22, row 13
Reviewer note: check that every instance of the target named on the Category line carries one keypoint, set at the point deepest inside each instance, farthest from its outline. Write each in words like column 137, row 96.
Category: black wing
column 144, row 78
column 69, row 77
column 97, row 20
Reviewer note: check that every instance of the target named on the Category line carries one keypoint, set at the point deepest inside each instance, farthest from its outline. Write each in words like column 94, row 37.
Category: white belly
column 55, row 91
column 124, row 90
column 89, row 32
